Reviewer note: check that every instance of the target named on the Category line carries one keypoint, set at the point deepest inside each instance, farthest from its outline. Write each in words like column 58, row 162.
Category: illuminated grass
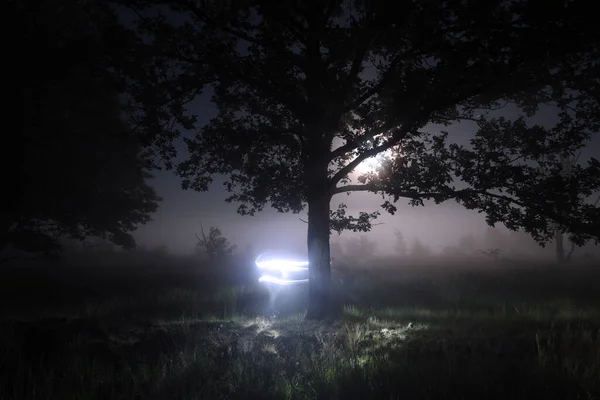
column 283, row 359
column 530, row 312
column 439, row 337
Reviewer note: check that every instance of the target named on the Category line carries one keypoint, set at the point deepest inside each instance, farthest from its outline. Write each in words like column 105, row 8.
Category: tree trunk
column 560, row 247
column 319, row 284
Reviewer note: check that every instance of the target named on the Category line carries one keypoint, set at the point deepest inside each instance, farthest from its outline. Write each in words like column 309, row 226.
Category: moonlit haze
column 119, row 279
column 181, row 212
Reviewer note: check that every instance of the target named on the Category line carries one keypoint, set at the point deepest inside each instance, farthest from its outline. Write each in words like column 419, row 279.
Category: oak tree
column 306, row 91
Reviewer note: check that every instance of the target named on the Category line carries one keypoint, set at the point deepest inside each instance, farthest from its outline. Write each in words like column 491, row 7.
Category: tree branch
column 374, row 90
column 396, row 137
column 571, row 251
column 331, row 4
column 203, row 16
column 371, row 187
column 202, row 241
column 353, row 144
column 399, row 134
column 368, row 187
column 389, row 73
column 366, row 36
column 175, row 54
column 379, row 223
column 447, row 195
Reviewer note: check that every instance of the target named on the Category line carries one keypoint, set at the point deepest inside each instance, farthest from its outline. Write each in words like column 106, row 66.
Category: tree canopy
column 306, row 91
column 75, row 169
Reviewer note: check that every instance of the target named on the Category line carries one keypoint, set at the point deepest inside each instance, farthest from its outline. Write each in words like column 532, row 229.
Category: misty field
column 178, row 330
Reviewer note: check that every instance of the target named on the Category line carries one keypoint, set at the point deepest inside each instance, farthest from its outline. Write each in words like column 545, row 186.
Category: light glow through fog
column 371, row 164
column 281, row 267
column 279, row 281
column 368, row 165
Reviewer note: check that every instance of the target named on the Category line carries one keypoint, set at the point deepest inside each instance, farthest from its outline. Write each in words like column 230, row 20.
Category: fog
column 181, row 213
column 445, row 229
column 440, row 226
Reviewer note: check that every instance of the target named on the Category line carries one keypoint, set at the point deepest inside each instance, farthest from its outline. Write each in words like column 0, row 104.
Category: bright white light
column 278, row 281
column 368, row 165
column 371, row 164
column 281, row 266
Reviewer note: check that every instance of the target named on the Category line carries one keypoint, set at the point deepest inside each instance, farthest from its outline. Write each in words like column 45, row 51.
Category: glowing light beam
column 279, row 281
column 281, row 267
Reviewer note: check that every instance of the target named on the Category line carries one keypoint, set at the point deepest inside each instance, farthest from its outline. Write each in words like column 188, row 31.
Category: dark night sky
column 181, row 212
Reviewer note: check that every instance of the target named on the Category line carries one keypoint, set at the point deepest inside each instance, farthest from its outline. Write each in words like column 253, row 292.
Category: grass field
column 183, row 331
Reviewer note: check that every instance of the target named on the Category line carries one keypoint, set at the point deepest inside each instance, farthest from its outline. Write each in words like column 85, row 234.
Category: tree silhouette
column 419, row 249
column 308, row 91
column 360, row 248
column 214, row 244
column 400, row 246
column 563, row 256
column 337, row 252
column 494, row 238
column 468, row 244
column 74, row 169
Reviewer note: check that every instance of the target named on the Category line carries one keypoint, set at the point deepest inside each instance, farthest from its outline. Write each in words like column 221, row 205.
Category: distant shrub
column 493, row 253
column 214, row 245
column 420, row 249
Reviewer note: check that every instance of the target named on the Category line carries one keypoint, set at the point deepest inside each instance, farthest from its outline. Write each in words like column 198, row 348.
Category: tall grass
column 426, row 334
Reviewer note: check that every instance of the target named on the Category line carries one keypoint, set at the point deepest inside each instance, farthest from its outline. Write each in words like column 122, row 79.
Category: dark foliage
column 307, row 91
column 214, row 245
column 74, row 168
